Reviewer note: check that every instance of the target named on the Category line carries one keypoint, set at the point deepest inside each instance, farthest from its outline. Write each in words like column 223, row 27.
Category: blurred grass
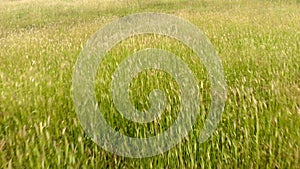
column 258, row 42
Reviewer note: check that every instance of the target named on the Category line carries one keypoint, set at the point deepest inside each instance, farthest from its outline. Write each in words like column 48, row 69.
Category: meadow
column 258, row 43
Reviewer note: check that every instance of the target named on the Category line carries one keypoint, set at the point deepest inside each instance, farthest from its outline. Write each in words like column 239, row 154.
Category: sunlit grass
column 258, row 42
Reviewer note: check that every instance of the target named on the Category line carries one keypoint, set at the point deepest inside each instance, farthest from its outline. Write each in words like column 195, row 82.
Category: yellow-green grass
column 257, row 41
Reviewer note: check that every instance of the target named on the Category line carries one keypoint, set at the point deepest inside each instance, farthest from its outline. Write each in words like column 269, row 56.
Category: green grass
column 257, row 41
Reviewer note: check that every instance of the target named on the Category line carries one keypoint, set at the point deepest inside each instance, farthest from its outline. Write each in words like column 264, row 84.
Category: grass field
column 257, row 41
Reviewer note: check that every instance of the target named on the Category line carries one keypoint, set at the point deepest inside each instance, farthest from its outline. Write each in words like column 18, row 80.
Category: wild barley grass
column 258, row 42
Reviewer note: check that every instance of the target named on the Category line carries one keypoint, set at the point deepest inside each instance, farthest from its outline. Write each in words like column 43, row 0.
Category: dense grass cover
column 257, row 41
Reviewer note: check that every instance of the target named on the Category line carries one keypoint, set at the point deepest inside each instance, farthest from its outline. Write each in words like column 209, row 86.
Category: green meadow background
column 258, row 42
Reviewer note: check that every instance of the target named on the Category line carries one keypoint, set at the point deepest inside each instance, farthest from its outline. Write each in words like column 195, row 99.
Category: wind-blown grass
column 257, row 41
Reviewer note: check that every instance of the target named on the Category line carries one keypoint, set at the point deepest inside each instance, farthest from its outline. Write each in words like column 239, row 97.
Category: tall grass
column 258, row 42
